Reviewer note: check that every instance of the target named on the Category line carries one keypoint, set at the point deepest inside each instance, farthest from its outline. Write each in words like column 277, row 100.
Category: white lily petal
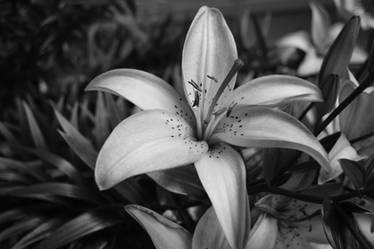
column 164, row 233
column 358, row 56
column 222, row 173
column 299, row 39
column 312, row 230
column 263, row 234
column 364, row 222
column 209, row 50
column 209, row 233
column 358, row 118
column 145, row 142
column 276, row 89
column 290, row 238
column 341, row 150
column 320, row 25
column 311, row 64
column 266, row 127
column 145, row 90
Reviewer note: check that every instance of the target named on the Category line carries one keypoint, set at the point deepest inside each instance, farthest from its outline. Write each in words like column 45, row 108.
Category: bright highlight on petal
column 209, row 233
column 222, row 173
column 164, row 233
column 274, row 90
column 263, row 234
column 145, row 142
column 208, row 54
column 145, row 90
column 265, row 127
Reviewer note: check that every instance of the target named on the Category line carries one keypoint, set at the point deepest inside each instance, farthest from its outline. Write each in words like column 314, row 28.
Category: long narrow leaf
column 80, row 226
column 77, row 142
column 36, row 133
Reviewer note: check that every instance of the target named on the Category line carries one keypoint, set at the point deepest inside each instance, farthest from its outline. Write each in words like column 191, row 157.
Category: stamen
column 196, row 100
column 217, row 113
column 230, row 109
column 194, row 85
column 214, row 122
column 212, row 78
column 234, row 69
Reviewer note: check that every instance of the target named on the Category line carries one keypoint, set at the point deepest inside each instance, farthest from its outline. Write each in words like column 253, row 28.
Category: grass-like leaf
column 80, row 226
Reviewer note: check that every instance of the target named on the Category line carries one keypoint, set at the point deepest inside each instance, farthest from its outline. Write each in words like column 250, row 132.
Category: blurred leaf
column 77, row 142
column 74, row 115
column 324, row 191
column 302, row 177
column 332, row 226
column 80, row 226
column 101, row 129
column 247, row 35
column 60, row 163
column 38, row 233
column 340, row 52
column 53, row 189
column 21, row 167
column 354, row 172
column 18, row 228
column 6, row 133
column 320, row 25
column 36, row 133
column 13, row 215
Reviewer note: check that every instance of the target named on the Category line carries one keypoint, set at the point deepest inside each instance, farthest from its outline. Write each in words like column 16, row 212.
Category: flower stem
column 345, row 103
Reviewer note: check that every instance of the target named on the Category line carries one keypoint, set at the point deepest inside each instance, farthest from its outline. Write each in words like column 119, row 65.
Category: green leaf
column 36, row 133
column 354, row 172
column 77, row 142
column 340, row 52
column 80, row 226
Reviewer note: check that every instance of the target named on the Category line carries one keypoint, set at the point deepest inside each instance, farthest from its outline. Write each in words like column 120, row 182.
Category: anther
column 212, row 78
column 194, row 85
column 230, row 109
column 196, row 100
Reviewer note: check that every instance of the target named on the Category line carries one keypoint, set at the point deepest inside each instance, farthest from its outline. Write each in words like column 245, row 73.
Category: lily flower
column 165, row 234
column 299, row 224
column 200, row 127
column 349, row 8
column 316, row 43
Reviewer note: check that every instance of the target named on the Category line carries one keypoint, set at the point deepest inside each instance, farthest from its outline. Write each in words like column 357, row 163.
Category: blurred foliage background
column 50, row 130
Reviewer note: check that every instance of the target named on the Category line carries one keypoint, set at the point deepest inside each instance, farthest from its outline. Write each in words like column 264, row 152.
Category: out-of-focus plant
column 48, row 194
column 315, row 43
column 362, row 8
